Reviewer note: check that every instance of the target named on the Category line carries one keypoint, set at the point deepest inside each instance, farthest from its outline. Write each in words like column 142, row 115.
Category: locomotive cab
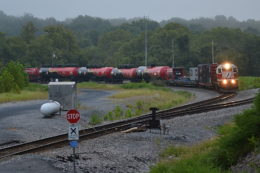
column 227, row 76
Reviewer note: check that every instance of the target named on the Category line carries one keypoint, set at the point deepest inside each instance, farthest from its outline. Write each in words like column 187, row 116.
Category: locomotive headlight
column 227, row 66
column 233, row 81
column 224, row 81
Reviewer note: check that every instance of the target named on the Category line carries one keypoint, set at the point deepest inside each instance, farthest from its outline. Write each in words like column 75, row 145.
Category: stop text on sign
column 73, row 116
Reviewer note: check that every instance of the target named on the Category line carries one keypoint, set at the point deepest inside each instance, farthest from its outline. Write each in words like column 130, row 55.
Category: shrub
column 17, row 71
column 239, row 139
column 13, row 77
column 7, row 81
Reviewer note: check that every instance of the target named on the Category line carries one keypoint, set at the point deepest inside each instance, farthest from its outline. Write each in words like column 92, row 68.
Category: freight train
column 223, row 77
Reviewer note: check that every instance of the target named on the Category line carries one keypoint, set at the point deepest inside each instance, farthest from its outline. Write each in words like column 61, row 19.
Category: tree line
column 94, row 41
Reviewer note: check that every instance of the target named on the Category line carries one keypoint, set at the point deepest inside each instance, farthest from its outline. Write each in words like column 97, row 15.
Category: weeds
column 95, row 119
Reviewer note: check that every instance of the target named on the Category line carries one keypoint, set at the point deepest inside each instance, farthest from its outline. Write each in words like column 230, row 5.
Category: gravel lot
column 119, row 152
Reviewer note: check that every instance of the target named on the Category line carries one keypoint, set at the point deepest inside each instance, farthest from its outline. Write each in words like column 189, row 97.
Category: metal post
column 172, row 53
column 74, row 160
column 153, row 109
column 145, row 42
column 212, row 45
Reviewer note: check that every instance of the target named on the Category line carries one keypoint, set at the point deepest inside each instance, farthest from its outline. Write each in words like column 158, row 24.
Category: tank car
column 158, row 73
column 131, row 74
column 69, row 73
column 33, row 74
column 107, row 74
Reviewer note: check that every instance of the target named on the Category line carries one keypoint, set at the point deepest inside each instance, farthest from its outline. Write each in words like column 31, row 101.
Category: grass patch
column 94, row 85
column 247, row 82
column 153, row 98
column 143, row 99
column 36, row 87
column 143, row 85
column 22, row 96
column 132, row 85
column 186, row 159
column 31, row 92
column 140, row 97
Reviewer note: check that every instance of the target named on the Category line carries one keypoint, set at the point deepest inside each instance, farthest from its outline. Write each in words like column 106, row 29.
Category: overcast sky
column 156, row 9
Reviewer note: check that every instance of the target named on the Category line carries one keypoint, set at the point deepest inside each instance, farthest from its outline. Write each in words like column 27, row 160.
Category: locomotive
column 223, row 77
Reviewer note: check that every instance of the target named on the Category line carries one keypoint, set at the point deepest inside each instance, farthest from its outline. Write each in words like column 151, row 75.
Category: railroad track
column 61, row 140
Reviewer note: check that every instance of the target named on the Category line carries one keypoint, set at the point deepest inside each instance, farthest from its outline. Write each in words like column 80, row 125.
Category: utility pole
column 212, row 47
column 172, row 53
column 145, row 42
column 52, row 59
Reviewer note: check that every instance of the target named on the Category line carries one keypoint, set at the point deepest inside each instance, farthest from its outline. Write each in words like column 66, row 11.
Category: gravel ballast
column 118, row 152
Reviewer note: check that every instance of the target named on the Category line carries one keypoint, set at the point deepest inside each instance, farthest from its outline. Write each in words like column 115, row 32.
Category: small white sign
column 73, row 132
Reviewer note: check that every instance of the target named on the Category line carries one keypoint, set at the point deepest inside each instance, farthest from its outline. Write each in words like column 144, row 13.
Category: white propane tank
column 50, row 108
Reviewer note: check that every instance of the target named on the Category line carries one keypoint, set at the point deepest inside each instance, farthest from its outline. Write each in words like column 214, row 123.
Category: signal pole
column 145, row 42
column 172, row 53
column 212, row 47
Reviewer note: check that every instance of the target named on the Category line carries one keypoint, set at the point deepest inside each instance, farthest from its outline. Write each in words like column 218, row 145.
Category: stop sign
column 73, row 116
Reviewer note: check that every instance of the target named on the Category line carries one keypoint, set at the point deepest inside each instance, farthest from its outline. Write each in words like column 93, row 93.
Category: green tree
column 63, row 43
column 28, row 32
column 14, row 49
column 161, row 44
column 40, row 52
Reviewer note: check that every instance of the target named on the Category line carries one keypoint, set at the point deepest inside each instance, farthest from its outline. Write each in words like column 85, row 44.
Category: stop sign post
column 73, row 116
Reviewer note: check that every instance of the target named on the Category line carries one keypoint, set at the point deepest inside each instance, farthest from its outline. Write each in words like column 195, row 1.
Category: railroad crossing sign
column 73, row 116
column 73, row 134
